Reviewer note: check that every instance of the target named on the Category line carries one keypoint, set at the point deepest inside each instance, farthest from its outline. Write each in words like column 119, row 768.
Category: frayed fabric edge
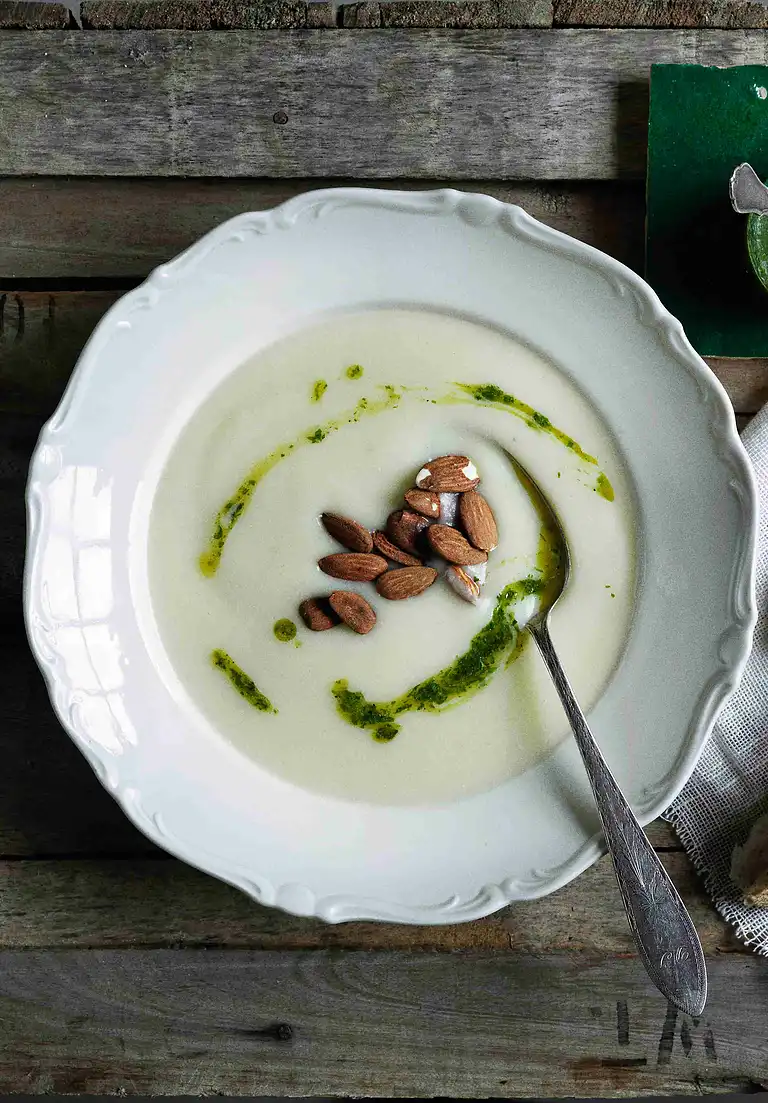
column 756, row 942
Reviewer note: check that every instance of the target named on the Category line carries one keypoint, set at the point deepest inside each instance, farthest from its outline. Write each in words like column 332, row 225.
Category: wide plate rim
column 468, row 206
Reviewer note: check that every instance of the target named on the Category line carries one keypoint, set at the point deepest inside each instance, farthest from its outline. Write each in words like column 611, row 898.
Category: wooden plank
column 532, row 104
column 110, row 904
column 18, row 15
column 711, row 14
column 746, row 381
column 268, row 15
column 41, row 337
column 448, row 14
column 50, row 801
column 42, row 334
column 472, row 1025
column 81, row 237
column 205, row 15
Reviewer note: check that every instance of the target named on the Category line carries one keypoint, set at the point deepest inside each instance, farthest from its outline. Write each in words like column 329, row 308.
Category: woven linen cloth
column 729, row 787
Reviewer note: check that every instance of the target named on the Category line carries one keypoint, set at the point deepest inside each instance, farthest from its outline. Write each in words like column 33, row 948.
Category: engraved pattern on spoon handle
column 665, row 935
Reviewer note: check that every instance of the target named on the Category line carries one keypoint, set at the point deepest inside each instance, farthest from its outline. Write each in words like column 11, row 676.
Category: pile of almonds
column 446, row 522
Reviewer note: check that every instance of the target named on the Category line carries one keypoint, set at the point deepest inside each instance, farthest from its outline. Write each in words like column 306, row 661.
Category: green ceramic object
column 757, row 246
column 701, row 258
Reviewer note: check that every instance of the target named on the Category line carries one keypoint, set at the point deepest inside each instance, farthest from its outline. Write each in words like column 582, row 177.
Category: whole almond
column 445, row 473
column 347, row 532
column 453, row 546
column 477, row 520
column 405, row 582
column 354, row 610
column 386, row 548
column 425, row 502
column 404, row 528
column 353, row 566
column 317, row 614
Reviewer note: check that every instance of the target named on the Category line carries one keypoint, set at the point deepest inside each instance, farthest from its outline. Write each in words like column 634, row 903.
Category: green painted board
column 703, row 122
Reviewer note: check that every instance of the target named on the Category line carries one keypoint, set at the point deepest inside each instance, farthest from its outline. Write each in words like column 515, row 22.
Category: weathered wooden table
column 123, row 136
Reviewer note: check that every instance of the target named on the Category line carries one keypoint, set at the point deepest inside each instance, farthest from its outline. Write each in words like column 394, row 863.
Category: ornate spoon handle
column 665, row 935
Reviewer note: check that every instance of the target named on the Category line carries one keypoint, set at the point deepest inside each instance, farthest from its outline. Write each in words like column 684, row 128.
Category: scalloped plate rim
column 490, row 898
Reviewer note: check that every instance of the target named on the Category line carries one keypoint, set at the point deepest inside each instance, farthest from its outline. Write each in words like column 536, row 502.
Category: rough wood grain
column 449, row 14
column 461, row 1025
column 570, row 104
column 746, row 381
column 205, row 15
column 81, row 237
column 731, row 14
column 163, row 903
column 16, row 15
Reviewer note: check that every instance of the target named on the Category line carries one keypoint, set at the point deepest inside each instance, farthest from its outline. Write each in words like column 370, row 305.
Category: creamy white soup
column 443, row 698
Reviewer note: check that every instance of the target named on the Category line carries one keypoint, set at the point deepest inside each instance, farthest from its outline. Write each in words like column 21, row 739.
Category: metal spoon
column 663, row 930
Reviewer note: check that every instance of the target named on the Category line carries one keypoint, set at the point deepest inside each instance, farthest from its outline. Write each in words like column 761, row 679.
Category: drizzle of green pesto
column 354, row 371
column 235, row 506
column 465, row 676
column 240, row 681
column 491, row 395
column 319, row 387
column 284, row 630
column 604, row 488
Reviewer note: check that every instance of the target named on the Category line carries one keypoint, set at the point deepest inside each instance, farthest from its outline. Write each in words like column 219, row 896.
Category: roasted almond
column 477, row 520
column 317, row 614
column 448, row 473
column 405, row 582
column 347, row 532
column 354, row 610
column 386, row 548
column 353, row 566
column 425, row 502
column 453, row 546
column 404, row 528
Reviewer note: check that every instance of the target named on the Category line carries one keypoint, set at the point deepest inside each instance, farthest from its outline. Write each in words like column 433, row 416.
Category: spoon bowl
column 561, row 574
